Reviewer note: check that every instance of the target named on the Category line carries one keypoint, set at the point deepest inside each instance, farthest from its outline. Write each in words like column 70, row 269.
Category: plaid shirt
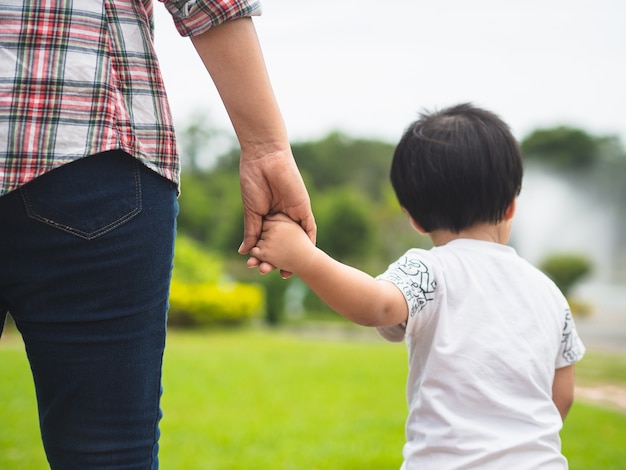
column 79, row 77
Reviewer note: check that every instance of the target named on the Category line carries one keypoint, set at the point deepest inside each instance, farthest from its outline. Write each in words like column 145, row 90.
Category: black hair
column 456, row 168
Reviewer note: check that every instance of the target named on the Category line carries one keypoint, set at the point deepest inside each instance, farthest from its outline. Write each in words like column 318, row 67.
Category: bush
column 347, row 227
column 199, row 296
column 274, row 287
column 206, row 304
column 193, row 264
column 566, row 269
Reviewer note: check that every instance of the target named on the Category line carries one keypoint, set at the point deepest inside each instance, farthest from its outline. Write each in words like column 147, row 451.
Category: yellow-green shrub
column 192, row 263
column 202, row 304
column 200, row 296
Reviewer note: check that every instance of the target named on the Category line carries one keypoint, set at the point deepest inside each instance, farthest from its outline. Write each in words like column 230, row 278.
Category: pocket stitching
column 96, row 233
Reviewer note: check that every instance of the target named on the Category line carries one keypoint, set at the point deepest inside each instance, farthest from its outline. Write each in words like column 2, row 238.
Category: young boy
column 491, row 340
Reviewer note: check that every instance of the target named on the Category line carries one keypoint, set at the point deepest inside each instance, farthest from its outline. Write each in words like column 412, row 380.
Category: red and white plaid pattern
column 79, row 77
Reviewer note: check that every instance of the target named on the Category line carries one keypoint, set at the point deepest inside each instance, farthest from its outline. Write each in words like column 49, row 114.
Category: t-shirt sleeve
column 393, row 333
column 413, row 275
column 572, row 348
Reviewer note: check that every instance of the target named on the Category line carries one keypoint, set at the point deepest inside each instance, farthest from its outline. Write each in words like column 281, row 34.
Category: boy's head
column 456, row 168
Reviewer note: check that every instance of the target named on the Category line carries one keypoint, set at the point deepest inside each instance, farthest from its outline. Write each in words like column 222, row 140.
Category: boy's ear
column 510, row 211
column 417, row 226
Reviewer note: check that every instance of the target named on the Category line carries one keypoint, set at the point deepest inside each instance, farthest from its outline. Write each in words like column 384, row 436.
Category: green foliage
column 562, row 146
column 566, row 269
column 275, row 288
column 201, row 143
column 206, row 304
column 192, row 264
column 346, row 224
column 199, row 296
column 357, row 213
column 611, row 150
column 210, row 209
column 338, row 160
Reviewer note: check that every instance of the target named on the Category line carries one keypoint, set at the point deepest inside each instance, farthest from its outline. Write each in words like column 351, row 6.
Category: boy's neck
column 495, row 233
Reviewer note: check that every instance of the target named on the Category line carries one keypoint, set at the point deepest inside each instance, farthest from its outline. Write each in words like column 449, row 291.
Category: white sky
column 367, row 67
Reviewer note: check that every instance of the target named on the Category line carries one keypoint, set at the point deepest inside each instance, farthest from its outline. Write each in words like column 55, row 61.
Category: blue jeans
column 85, row 265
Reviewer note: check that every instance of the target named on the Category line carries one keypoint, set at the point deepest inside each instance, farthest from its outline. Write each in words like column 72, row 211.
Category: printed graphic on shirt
column 415, row 280
column 570, row 347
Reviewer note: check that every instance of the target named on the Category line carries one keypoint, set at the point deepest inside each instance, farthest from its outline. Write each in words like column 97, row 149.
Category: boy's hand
column 283, row 244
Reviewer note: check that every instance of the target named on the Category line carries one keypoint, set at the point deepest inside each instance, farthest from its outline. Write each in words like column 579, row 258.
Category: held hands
column 283, row 244
column 272, row 184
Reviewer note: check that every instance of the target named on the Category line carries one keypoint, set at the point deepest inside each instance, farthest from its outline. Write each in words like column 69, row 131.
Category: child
column 491, row 340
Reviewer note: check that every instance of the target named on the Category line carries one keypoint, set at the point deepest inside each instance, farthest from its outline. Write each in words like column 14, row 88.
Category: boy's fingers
column 265, row 267
column 253, row 261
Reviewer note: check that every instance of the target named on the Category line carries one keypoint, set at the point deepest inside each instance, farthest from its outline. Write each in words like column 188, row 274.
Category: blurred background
column 350, row 77
column 258, row 373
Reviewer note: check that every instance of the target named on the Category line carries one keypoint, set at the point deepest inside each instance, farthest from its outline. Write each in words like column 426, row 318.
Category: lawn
column 280, row 400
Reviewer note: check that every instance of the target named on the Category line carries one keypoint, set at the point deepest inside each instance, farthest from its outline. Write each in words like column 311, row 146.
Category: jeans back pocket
column 88, row 197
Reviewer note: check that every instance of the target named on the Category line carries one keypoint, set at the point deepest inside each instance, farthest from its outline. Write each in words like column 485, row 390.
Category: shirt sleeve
column 414, row 277
column 572, row 349
column 193, row 17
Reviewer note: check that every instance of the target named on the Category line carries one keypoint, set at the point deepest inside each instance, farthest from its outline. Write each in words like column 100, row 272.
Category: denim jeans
column 85, row 265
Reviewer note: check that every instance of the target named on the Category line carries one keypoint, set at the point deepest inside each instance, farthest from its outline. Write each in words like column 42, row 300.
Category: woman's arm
column 270, row 180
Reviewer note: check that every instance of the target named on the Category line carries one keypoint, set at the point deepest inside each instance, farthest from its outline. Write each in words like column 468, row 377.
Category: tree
column 562, row 146
column 346, row 229
column 201, row 142
column 338, row 160
column 210, row 208
column 566, row 269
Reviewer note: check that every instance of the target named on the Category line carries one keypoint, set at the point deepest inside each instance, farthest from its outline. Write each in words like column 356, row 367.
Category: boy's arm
column 354, row 294
column 350, row 292
column 563, row 389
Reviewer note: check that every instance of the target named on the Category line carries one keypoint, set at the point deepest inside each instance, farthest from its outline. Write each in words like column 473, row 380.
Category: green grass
column 20, row 445
column 270, row 399
column 263, row 400
column 594, row 438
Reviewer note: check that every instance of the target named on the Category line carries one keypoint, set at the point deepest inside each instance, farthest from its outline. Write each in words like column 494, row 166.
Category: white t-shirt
column 486, row 331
